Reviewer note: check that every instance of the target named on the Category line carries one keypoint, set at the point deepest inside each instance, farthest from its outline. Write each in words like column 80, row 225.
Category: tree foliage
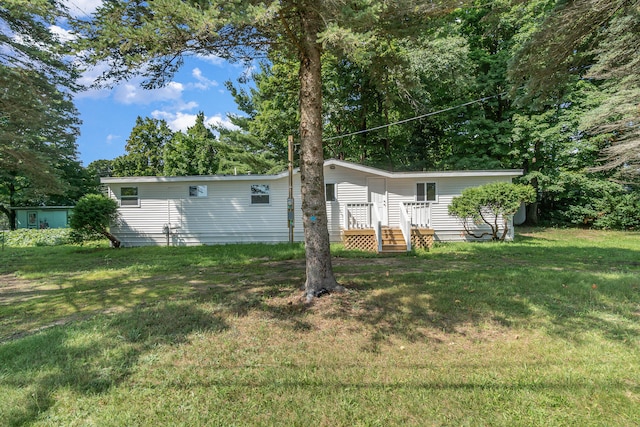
column 491, row 205
column 92, row 216
column 582, row 200
column 154, row 150
column 145, row 147
column 591, row 39
column 38, row 121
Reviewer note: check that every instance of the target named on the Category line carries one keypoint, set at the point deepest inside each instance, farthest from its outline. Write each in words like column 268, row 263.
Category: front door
column 378, row 195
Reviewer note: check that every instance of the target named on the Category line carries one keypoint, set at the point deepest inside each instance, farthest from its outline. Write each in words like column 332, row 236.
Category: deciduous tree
column 144, row 149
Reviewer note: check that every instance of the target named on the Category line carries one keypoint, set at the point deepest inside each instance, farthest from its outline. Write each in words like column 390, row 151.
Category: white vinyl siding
column 352, row 187
column 227, row 214
column 447, row 227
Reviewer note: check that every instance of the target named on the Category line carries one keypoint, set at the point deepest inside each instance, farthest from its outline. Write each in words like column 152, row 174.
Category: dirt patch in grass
column 13, row 289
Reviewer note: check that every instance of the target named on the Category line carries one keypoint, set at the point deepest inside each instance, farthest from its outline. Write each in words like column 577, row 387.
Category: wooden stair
column 393, row 241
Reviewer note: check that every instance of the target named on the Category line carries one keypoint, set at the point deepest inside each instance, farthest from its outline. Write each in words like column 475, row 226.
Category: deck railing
column 405, row 225
column 376, row 222
column 363, row 216
column 418, row 213
column 357, row 216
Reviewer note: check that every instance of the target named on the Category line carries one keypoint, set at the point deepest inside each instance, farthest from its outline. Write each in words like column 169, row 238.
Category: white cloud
column 180, row 121
column 212, row 59
column 111, row 137
column 177, row 121
column 131, row 93
column 64, row 35
column 202, row 83
column 88, row 78
column 187, row 106
column 218, row 120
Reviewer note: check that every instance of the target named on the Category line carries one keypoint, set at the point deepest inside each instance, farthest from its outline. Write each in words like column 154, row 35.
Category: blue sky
column 108, row 115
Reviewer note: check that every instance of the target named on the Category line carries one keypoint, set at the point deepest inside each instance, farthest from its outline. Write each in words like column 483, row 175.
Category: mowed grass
column 541, row 331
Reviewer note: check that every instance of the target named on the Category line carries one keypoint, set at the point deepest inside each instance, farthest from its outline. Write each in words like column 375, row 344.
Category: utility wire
column 433, row 113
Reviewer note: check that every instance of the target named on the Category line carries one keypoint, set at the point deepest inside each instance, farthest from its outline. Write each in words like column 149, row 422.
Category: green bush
column 490, row 205
column 580, row 200
column 623, row 214
column 577, row 199
column 36, row 237
column 92, row 216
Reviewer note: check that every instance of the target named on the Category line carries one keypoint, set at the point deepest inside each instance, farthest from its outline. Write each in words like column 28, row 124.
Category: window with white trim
column 330, row 192
column 197, row 191
column 129, row 196
column 260, row 194
column 426, row 192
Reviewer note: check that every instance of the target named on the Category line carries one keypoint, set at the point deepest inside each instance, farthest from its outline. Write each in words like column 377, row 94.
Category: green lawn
column 541, row 331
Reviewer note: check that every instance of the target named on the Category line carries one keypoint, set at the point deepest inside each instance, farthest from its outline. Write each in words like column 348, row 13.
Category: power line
column 433, row 113
column 78, row 8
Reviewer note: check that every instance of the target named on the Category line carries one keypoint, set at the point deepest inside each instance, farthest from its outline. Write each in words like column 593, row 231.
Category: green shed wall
column 44, row 218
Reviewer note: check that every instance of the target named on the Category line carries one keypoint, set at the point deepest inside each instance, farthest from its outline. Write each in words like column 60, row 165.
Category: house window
column 197, row 191
column 426, row 192
column 259, row 194
column 129, row 196
column 330, row 192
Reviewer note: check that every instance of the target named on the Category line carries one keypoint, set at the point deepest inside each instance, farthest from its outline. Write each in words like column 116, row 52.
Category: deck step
column 393, row 241
column 394, row 248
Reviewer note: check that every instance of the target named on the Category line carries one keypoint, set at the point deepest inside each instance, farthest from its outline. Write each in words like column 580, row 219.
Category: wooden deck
column 392, row 239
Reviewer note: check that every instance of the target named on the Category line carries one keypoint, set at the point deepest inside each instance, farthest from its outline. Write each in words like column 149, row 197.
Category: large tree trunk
column 11, row 213
column 11, row 216
column 320, row 276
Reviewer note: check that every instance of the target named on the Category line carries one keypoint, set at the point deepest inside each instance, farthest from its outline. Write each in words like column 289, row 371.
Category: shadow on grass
column 91, row 357
column 565, row 291
column 170, row 293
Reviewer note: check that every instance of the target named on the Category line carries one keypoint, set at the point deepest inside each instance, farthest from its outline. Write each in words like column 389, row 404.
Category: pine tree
column 152, row 37
column 38, row 121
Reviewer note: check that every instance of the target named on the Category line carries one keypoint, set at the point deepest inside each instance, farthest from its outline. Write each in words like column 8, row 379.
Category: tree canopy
column 38, row 121
column 595, row 40
column 92, row 216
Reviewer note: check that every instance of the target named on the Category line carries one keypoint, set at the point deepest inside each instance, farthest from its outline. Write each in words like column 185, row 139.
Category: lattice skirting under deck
column 422, row 238
column 364, row 240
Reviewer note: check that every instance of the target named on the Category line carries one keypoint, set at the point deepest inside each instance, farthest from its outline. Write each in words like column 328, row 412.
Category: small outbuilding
column 41, row 217
column 367, row 208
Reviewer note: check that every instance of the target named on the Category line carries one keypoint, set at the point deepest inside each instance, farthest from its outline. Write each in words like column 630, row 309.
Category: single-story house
column 363, row 203
column 41, row 217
